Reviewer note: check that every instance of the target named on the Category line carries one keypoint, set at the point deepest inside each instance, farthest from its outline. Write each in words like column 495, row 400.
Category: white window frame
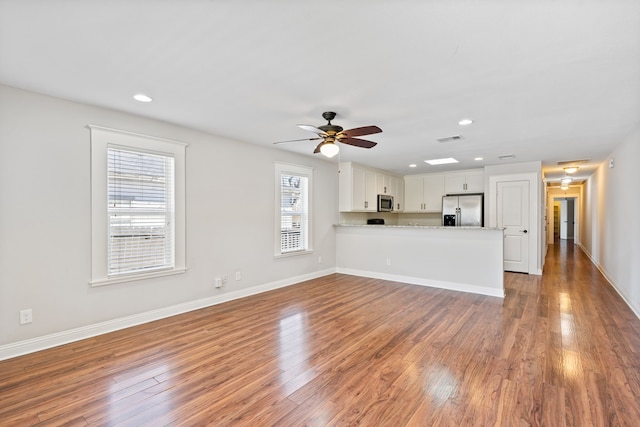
column 101, row 140
column 296, row 170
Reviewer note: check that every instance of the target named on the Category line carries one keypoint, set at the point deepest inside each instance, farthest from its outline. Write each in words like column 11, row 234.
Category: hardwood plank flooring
column 561, row 349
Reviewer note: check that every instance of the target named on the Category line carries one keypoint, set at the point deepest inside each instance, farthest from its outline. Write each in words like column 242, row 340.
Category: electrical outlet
column 388, row 261
column 224, row 279
column 26, row 316
column 238, row 275
column 218, row 282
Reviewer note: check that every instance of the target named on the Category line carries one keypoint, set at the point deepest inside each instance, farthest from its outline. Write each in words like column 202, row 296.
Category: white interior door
column 512, row 214
column 563, row 219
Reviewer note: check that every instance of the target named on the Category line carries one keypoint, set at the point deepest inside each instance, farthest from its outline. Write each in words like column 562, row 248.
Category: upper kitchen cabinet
column 359, row 188
column 423, row 193
column 393, row 186
column 470, row 181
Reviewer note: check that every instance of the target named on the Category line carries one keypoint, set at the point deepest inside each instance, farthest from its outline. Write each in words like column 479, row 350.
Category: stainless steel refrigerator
column 463, row 210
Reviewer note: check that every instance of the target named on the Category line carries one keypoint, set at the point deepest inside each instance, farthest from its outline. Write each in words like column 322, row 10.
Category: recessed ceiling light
column 566, row 180
column 465, row 122
column 477, row 159
column 571, row 169
column 413, row 165
column 441, row 161
column 142, row 97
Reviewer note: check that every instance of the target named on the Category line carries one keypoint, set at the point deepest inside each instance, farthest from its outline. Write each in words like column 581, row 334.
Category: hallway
column 584, row 342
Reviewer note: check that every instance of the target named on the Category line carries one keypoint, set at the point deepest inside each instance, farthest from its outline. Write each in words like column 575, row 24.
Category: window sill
column 294, row 253
column 134, row 277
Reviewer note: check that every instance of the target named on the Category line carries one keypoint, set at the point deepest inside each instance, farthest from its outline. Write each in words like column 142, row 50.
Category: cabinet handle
column 366, row 205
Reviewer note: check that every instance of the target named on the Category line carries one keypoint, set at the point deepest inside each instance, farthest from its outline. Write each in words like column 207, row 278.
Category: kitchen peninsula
column 467, row 259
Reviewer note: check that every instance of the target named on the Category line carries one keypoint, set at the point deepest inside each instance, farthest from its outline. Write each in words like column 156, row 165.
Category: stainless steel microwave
column 385, row 203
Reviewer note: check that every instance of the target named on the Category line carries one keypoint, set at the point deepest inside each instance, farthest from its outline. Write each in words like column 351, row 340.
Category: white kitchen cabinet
column 359, row 188
column 423, row 193
column 471, row 181
column 364, row 188
column 433, row 192
column 393, row 186
column 397, row 191
column 413, row 193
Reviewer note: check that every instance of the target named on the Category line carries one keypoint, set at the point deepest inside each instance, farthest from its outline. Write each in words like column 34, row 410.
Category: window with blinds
column 293, row 207
column 141, row 211
column 294, row 215
column 138, row 206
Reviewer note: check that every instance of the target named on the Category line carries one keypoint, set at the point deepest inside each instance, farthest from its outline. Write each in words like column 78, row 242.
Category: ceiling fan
column 330, row 134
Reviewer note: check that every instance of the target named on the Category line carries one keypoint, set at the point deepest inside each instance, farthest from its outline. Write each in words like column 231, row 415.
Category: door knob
column 524, row 231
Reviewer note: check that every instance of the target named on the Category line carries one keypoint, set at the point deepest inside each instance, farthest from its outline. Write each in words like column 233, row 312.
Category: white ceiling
column 543, row 80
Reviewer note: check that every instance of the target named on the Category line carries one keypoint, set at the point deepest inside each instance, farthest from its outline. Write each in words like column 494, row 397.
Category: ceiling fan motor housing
column 331, row 129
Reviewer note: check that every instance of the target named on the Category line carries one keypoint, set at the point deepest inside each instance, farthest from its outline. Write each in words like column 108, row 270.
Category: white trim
column 136, row 276
column 65, row 337
column 293, row 253
column 136, row 135
column 452, row 286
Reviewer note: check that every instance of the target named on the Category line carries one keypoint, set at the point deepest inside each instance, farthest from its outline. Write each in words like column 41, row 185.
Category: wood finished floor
column 560, row 350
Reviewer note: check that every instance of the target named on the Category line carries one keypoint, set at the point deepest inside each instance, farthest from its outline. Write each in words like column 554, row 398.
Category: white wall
column 457, row 258
column 45, row 218
column 610, row 226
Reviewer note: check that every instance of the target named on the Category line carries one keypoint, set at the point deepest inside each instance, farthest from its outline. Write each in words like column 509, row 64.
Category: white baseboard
column 636, row 310
column 64, row 337
column 460, row 287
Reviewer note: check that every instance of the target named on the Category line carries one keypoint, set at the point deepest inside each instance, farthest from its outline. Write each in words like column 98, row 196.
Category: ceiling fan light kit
column 329, row 149
column 330, row 134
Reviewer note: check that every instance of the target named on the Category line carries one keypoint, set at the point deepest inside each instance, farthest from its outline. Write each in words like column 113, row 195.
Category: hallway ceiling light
column 564, row 187
column 465, row 122
column 571, row 169
column 566, row 180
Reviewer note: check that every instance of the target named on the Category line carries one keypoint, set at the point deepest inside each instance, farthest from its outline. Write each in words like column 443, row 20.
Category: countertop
column 429, row 227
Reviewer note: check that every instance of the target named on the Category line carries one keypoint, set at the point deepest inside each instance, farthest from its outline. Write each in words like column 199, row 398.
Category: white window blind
column 294, row 212
column 141, row 211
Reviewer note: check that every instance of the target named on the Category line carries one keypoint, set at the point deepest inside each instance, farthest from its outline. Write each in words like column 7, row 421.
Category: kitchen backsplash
column 425, row 219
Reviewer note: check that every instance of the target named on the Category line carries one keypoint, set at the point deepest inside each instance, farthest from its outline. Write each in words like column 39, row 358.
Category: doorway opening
column 561, row 206
column 564, row 219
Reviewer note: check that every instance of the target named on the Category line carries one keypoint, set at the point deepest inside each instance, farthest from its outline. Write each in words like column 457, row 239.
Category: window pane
column 141, row 211
column 293, row 213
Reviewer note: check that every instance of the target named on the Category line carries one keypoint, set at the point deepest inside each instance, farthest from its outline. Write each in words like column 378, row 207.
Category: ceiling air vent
column 450, row 138
column 506, row 156
column 572, row 162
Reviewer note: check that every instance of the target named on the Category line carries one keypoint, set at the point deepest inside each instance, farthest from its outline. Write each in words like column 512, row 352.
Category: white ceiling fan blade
column 313, row 129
